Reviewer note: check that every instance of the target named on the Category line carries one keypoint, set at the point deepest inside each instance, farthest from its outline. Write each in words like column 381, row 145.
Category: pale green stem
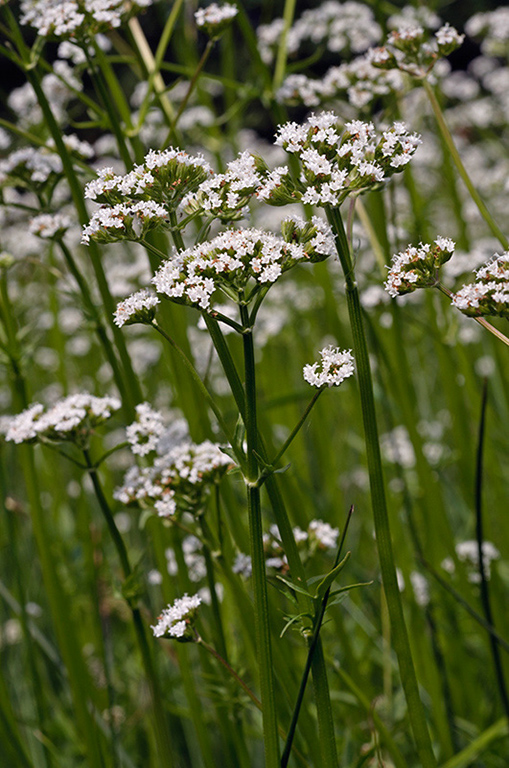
column 378, row 500
column 449, row 141
column 280, row 68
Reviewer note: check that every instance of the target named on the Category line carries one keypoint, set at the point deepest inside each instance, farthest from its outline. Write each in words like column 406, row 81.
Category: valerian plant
column 180, row 299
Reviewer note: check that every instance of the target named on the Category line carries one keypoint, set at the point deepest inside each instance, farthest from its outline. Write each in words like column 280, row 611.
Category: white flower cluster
column 124, row 221
column 337, row 161
column 361, row 81
column 489, row 294
column 335, row 366
column 71, row 418
column 178, row 479
column 418, row 266
column 493, row 28
column 175, row 620
column 225, row 195
column 215, row 18
column 30, row 166
column 49, row 225
column 411, row 49
column 165, row 176
column 347, row 27
column 227, row 262
column 468, row 553
column 319, row 536
column 138, row 308
column 144, row 434
column 77, row 18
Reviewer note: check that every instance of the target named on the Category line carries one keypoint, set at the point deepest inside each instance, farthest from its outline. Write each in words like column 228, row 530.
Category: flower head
column 489, row 294
column 215, row 18
column 176, row 620
column 138, row 308
column 71, row 419
column 418, row 267
column 337, row 160
column 334, row 367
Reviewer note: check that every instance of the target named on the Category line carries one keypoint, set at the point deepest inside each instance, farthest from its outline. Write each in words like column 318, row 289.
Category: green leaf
column 292, row 620
column 324, row 585
column 294, row 586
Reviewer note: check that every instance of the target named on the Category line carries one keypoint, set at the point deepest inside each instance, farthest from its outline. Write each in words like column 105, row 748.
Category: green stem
column 296, row 429
column 319, row 672
column 446, row 135
column 317, row 625
column 484, row 588
column 279, row 71
column 161, row 730
column 270, row 730
column 378, row 501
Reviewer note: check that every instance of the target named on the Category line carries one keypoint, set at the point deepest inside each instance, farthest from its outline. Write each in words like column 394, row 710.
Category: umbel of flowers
column 337, row 160
column 418, row 266
column 238, row 262
column 70, row 419
column 489, row 293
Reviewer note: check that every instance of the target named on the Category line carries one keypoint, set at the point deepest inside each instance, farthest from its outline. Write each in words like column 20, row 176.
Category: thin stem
column 317, row 625
column 485, row 593
column 297, row 428
column 205, row 55
column 270, row 730
column 378, row 500
column 449, row 141
column 279, row 72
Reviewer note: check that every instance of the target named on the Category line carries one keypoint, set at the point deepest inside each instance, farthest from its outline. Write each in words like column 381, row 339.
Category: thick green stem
column 378, row 501
column 449, row 141
column 279, row 71
column 270, row 731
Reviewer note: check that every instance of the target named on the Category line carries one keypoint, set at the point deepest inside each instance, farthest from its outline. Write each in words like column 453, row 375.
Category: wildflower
column 177, row 480
column 489, row 294
column 215, row 18
column 176, row 620
column 420, row 586
column 164, row 177
column 144, row 434
column 124, row 221
column 232, row 262
column 77, row 18
column 29, row 167
column 418, row 267
column 468, row 552
column 50, row 225
column 322, row 535
column 225, row 195
column 335, row 366
column 71, row 418
column 138, row 308
column 338, row 160
column 493, row 28
column 411, row 49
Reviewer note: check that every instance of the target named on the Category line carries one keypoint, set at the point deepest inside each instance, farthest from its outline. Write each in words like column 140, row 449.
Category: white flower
column 47, row 225
column 334, row 367
column 176, row 619
column 138, row 308
column 71, row 418
column 215, row 17
column 144, row 434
